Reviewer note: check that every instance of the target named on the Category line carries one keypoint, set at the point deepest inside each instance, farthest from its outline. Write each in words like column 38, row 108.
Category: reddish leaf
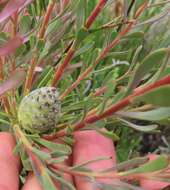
column 11, row 46
column 11, row 7
column 16, row 78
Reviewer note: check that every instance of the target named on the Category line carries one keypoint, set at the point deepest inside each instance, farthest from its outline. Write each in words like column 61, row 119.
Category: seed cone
column 39, row 110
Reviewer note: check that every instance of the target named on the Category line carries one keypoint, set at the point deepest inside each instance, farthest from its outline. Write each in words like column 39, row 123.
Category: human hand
column 89, row 145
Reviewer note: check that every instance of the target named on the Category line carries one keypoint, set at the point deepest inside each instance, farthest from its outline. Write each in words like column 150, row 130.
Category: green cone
column 39, row 110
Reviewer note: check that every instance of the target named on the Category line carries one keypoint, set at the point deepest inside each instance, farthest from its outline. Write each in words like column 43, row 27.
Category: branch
column 95, row 13
column 60, row 70
column 63, row 66
column 114, row 108
column 104, row 52
column 100, row 57
column 46, row 20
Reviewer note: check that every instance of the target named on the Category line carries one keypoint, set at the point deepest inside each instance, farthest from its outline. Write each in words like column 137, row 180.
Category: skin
column 88, row 145
column 33, row 184
column 9, row 163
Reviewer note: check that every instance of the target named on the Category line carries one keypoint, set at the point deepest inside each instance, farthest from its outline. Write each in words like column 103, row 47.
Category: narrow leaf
column 150, row 61
column 142, row 128
column 59, row 148
column 156, row 97
column 47, row 182
column 152, row 115
column 61, row 180
column 78, row 166
column 108, row 134
column 158, row 164
column 41, row 154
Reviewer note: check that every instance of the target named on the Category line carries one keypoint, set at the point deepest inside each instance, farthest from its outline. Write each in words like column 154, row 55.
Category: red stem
column 164, row 81
column 140, row 9
column 71, row 52
column 63, row 66
column 95, row 13
column 29, row 78
column 100, row 57
column 100, row 91
column 46, row 20
column 114, row 108
column 104, row 52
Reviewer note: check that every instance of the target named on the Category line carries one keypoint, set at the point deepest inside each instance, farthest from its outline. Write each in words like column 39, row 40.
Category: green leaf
column 157, row 97
column 46, row 181
column 108, row 134
column 158, row 164
column 81, row 11
column 45, row 77
column 41, row 154
column 57, row 160
column 136, row 56
column 45, row 50
column 61, row 149
column 24, row 159
column 122, row 55
column 109, row 93
column 16, row 150
column 142, row 128
column 85, row 48
column 3, row 121
column 55, row 24
column 81, row 35
column 42, row 175
column 152, row 115
column 79, row 166
column 68, row 140
column 25, row 24
column 138, row 34
column 131, row 163
column 40, row 44
column 61, row 180
column 33, row 41
column 154, row 59
column 165, row 72
column 20, row 50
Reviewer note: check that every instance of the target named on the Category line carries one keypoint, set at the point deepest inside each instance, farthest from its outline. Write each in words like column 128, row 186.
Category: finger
column 33, row 183
column 91, row 145
column 9, row 163
column 152, row 184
